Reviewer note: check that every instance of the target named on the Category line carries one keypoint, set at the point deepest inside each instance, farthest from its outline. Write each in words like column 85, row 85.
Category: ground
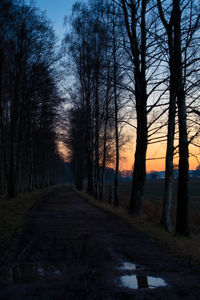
column 69, row 249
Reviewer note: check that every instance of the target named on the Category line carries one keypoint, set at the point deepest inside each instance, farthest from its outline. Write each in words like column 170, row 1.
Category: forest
column 122, row 64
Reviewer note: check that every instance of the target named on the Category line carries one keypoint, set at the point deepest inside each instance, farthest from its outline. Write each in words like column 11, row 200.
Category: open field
column 153, row 194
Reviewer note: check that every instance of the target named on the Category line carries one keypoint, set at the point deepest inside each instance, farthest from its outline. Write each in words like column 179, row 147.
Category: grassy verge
column 12, row 214
column 183, row 246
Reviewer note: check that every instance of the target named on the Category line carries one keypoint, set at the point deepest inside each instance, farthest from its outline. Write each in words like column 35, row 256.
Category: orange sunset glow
column 155, row 157
column 62, row 150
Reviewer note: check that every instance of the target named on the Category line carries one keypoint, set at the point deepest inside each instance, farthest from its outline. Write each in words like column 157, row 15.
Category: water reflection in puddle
column 141, row 282
column 24, row 273
column 137, row 280
column 130, row 266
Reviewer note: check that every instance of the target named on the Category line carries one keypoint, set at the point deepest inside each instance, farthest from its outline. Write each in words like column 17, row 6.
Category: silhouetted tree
column 134, row 14
column 181, row 32
column 90, row 45
column 29, row 97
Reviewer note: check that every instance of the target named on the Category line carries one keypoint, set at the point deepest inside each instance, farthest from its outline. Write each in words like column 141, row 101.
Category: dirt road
column 72, row 250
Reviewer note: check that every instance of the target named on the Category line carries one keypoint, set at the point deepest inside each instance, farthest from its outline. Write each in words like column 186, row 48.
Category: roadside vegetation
column 12, row 215
column 152, row 205
column 149, row 222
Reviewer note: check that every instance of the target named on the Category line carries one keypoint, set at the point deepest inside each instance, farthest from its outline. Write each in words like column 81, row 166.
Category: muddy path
column 71, row 250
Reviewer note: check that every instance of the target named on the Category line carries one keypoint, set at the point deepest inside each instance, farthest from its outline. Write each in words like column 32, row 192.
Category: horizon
column 152, row 165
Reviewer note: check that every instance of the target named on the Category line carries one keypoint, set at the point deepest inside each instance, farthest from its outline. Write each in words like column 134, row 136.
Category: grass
column 12, row 214
column 152, row 205
column 188, row 247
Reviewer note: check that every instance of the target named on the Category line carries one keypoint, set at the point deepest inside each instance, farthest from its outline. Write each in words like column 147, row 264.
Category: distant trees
column 92, row 47
column 76, row 144
column 28, row 100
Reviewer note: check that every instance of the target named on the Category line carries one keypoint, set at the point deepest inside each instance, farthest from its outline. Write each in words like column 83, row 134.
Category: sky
column 55, row 11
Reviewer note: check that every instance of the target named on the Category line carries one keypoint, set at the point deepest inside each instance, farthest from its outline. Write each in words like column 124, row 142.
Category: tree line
column 28, row 100
column 133, row 62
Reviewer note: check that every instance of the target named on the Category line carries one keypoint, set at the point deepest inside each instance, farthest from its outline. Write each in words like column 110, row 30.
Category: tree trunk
column 2, row 175
column 116, row 178
column 167, row 199
column 105, row 135
column 139, row 54
column 182, row 218
column 13, row 130
column 89, row 151
column 139, row 171
column 97, row 175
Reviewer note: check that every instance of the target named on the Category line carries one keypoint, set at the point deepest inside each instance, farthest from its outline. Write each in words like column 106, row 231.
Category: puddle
column 137, row 280
column 141, row 282
column 127, row 266
column 24, row 273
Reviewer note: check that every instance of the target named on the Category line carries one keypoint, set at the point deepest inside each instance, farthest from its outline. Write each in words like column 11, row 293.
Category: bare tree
column 133, row 12
column 166, row 213
column 180, row 36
